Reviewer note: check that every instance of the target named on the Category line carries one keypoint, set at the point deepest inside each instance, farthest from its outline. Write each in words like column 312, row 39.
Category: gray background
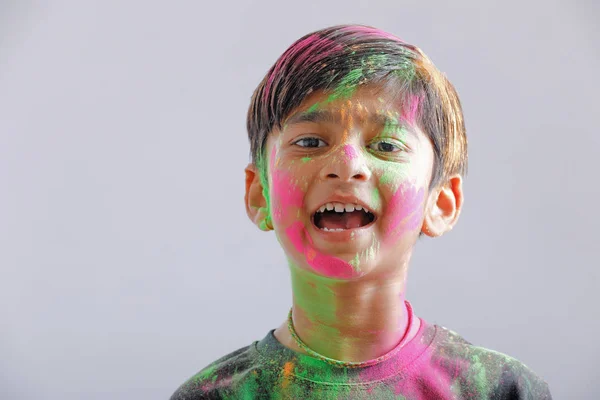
column 127, row 260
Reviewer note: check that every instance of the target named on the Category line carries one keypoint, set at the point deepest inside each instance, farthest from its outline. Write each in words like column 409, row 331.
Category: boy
column 358, row 147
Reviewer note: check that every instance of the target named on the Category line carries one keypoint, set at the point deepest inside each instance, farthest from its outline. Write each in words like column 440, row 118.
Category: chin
column 333, row 266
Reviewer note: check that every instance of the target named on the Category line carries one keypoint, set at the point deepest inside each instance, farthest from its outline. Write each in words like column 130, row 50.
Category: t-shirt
column 436, row 363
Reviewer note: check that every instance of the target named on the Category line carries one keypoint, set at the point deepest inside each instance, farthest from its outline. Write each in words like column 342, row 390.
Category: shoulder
column 476, row 369
column 212, row 381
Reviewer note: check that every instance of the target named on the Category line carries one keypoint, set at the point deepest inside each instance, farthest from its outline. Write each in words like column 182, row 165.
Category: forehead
column 366, row 104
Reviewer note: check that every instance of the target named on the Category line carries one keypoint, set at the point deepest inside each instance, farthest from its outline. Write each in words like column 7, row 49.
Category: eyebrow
column 320, row 116
column 315, row 116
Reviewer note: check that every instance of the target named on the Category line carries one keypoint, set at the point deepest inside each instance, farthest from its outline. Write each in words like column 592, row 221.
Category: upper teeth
column 340, row 207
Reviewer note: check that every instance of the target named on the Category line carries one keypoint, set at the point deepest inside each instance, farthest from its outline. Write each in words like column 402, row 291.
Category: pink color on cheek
column 323, row 264
column 350, row 152
column 285, row 194
column 404, row 210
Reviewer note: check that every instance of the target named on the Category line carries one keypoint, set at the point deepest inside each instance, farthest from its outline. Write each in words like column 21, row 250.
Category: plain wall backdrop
column 127, row 260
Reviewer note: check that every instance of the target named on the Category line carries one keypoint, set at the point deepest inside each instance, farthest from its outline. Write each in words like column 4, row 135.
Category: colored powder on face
column 393, row 175
column 325, row 265
column 375, row 198
column 313, row 108
column 350, row 152
column 355, row 262
column 306, row 159
column 371, row 252
column 285, row 193
column 347, row 86
column 387, row 177
column 405, row 210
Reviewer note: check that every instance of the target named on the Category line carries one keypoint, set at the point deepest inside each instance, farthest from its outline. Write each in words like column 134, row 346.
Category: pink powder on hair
column 409, row 110
column 320, row 48
column 373, row 32
column 308, row 51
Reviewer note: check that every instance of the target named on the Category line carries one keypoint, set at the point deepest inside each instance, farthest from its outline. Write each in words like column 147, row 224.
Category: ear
column 256, row 204
column 444, row 206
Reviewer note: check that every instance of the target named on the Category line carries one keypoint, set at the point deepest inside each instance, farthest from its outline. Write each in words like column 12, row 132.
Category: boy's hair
column 340, row 58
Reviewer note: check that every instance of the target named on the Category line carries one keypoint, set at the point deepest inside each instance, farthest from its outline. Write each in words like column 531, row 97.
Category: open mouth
column 339, row 216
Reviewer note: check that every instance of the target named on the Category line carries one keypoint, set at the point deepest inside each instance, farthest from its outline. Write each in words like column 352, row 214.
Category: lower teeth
column 333, row 229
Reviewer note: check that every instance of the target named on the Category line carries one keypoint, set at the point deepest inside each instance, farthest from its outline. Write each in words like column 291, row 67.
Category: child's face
column 353, row 151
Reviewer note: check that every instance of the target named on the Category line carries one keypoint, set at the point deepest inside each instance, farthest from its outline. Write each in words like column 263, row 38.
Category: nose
column 346, row 164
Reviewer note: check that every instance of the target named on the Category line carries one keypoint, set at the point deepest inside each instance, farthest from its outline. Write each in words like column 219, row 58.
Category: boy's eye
column 384, row 147
column 310, row 142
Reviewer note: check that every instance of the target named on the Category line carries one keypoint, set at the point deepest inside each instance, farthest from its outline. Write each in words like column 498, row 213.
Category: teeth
column 340, row 207
column 333, row 230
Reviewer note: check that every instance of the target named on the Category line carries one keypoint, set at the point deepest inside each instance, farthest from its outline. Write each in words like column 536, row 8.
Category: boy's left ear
column 443, row 208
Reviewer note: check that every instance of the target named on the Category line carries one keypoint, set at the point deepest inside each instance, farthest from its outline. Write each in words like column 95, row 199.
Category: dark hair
column 340, row 58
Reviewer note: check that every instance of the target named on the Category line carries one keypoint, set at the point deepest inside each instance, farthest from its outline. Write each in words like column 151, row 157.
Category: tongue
column 346, row 220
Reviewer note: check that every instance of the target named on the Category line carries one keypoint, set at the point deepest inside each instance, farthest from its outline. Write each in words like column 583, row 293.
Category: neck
column 352, row 321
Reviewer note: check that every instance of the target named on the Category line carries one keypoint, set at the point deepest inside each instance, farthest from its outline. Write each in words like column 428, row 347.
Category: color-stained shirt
column 436, row 363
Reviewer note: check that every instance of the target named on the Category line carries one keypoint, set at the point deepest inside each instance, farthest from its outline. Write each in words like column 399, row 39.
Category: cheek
column 404, row 211
column 286, row 195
